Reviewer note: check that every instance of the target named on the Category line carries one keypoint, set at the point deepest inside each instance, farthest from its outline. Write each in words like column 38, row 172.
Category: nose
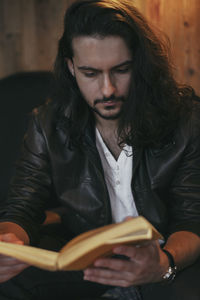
column 108, row 87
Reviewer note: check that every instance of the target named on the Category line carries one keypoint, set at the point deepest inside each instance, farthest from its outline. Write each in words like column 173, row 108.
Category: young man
column 119, row 139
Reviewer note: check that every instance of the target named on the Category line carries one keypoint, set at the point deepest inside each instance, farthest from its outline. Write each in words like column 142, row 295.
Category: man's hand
column 10, row 267
column 146, row 263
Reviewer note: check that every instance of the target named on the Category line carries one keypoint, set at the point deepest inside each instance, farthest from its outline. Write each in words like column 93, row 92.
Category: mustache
column 111, row 98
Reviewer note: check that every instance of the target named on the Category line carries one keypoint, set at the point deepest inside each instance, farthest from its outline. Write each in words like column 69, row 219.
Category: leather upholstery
column 19, row 94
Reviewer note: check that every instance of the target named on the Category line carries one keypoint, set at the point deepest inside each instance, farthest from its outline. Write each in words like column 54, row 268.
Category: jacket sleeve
column 31, row 186
column 184, row 206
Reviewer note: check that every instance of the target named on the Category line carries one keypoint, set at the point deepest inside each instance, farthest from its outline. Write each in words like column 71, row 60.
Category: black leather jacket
column 165, row 183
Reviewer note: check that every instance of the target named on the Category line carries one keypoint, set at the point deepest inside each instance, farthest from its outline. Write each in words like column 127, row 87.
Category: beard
column 105, row 117
column 108, row 108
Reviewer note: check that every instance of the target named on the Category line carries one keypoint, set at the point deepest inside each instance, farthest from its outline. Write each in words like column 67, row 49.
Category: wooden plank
column 191, row 37
column 180, row 21
column 2, row 40
column 47, row 31
column 12, row 16
column 28, row 33
column 10, row 44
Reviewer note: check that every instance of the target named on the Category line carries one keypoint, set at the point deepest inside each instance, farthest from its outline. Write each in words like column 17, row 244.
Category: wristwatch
column 172, row 270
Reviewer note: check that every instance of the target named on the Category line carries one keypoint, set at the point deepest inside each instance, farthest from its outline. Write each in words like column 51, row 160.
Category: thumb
column 10, row 238
column 128, row 218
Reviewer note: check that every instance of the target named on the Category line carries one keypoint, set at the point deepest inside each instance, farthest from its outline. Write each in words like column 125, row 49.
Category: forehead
column 100, row 52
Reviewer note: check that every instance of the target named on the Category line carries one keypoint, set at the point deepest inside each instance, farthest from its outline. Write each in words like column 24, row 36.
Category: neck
column 106, row 125
column 108, row 131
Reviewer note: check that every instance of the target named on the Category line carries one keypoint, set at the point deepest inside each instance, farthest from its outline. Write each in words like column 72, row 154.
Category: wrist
column 164, row 263
column 170, row 273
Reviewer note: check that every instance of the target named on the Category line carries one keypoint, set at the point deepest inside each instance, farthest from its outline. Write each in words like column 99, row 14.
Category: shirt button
column 117, row 182
column 117, row 167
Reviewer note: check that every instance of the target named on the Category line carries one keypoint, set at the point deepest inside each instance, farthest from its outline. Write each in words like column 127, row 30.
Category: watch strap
column 170, row 258
column 171, row 272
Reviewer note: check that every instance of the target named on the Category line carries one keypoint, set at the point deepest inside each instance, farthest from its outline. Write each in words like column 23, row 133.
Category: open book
column 81, row 251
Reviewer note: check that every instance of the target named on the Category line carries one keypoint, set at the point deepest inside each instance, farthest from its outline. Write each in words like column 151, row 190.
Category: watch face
column 170, row 274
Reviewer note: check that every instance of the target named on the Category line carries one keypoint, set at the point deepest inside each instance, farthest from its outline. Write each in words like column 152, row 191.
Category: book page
column 37, row 257
column 83, row 250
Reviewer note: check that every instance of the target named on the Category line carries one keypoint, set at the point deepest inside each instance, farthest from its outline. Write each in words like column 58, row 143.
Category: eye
column 90, row 74
column 123, row 70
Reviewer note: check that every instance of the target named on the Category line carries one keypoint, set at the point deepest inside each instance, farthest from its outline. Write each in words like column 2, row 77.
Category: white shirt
column 118, row 176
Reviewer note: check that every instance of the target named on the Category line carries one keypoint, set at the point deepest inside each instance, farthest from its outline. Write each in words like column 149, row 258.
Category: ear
column 70, row 66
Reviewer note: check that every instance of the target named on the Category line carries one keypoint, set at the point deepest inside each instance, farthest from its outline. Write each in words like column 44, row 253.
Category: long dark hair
column 151, row 111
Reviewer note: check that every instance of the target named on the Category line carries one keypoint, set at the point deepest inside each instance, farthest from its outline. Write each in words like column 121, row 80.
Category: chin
column 107, row 116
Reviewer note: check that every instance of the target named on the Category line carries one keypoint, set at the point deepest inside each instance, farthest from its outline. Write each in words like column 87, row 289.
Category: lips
column 110, row 103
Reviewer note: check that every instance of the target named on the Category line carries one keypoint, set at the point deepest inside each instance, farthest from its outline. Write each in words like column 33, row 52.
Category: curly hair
column 152, row 108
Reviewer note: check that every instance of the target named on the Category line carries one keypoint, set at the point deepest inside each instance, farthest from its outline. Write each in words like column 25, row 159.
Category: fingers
column 9, row 261
column 141, row 267
column 128, row 218
column 135, row 252
column 111, row 271
column 10, row 267
column 108, row 277
column 129, row 251
column 113, row 264
column 7, row 272
column 10, row 238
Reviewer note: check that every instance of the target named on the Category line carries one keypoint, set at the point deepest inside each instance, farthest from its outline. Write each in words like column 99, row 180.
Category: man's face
column 102, row 68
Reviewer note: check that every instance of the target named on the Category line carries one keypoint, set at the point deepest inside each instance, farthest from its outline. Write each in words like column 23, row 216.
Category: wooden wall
column 180, row 20
column 29, row 31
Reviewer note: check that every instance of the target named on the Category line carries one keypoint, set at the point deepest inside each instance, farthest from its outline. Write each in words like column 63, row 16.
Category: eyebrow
column 87, row 68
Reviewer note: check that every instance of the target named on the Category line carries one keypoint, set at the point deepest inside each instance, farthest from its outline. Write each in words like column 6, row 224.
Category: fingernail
column 117, row 249
column 85, row 272
column 85, row 277
column 97, row 263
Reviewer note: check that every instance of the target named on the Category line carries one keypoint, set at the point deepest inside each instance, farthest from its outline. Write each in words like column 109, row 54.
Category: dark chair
column 19, row 94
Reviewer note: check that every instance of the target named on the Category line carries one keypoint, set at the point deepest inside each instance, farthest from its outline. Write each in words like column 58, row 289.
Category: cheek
column 123, row 85
column 88, row 90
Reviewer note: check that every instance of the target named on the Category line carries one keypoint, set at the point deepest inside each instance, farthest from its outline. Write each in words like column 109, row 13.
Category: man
column 120, row 139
